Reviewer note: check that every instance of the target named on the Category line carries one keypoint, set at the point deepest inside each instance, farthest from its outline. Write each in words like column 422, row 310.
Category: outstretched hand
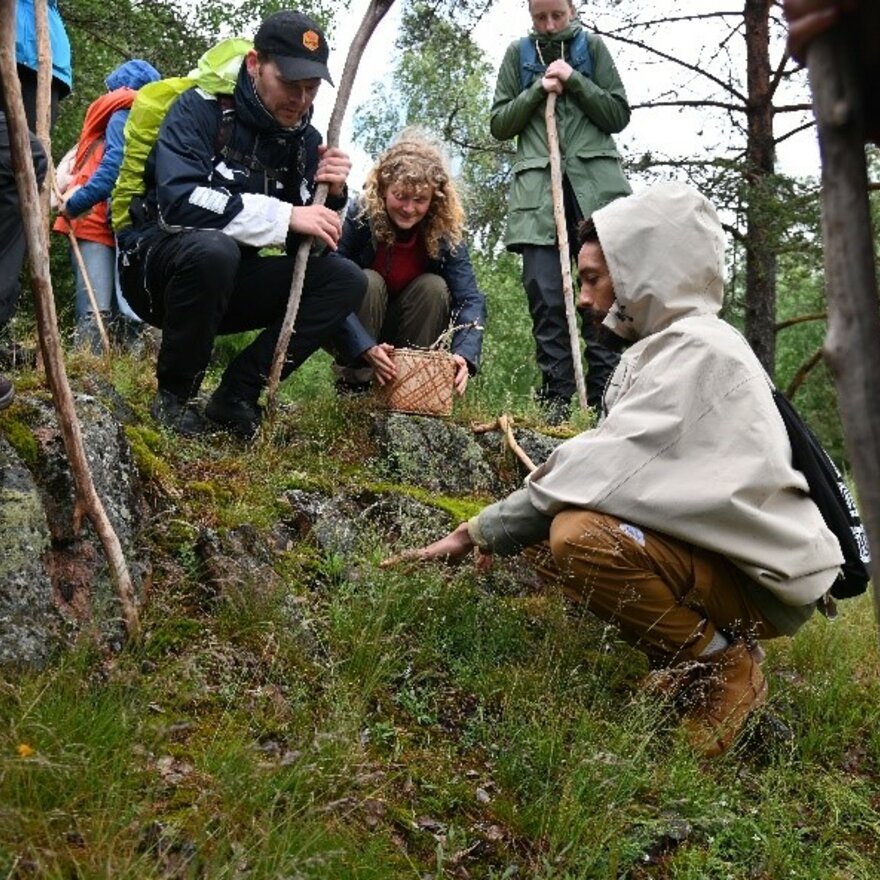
column 452, row 548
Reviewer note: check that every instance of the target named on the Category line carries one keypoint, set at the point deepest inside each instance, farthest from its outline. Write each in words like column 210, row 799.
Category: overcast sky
column 659, row 130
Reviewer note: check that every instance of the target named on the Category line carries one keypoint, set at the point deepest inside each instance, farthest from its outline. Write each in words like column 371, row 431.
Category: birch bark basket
column 852, row 343
column 37, row 235
column 374, row 14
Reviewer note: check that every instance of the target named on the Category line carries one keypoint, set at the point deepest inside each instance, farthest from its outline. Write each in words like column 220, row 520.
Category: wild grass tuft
column 314, row 719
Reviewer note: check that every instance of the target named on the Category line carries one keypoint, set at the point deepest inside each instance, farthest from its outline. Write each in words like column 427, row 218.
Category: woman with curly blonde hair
column 406, row 232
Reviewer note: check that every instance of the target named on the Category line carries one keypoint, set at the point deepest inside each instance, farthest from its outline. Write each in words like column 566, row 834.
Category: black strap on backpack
column 287, row 175
column 834, row 500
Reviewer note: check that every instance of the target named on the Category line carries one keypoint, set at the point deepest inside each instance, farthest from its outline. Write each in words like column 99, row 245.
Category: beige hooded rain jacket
column 691, row 445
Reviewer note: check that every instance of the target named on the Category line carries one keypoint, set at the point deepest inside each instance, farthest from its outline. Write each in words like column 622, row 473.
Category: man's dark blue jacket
column 191, row 184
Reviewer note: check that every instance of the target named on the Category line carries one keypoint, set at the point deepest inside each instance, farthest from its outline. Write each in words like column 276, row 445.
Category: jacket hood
column 132, row 75
column 665, row 253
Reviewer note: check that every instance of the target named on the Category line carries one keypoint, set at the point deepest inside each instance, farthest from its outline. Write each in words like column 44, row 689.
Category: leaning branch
column 562, row 241
column 87, row 501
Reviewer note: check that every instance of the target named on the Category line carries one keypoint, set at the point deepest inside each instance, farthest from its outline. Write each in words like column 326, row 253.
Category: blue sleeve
column 187, row 196
column 102, row 181
column 352, row 338
column 468, row 305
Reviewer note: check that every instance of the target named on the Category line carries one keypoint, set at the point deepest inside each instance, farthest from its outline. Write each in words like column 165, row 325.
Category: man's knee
column 210, row 250
column 577, row 532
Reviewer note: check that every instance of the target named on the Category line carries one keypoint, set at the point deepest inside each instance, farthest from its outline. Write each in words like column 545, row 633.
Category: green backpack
column 216, row 73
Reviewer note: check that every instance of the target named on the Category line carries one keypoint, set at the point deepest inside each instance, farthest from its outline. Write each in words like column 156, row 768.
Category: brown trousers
column 666, row 597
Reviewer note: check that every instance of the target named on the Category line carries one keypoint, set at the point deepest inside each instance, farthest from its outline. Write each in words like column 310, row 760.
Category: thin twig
column 504, row 423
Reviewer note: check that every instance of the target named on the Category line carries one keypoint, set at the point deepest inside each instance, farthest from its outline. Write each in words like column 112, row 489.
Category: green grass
column 402, row 723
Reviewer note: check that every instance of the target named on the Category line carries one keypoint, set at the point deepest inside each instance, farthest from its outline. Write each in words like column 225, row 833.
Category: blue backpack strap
column 531, row 67
column 580, row 58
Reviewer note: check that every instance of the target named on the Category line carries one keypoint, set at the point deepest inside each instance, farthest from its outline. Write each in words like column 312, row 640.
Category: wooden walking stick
column 36, row 232
column 851, row 349
column 374, row 14
column 77, row 253
column 564, row 251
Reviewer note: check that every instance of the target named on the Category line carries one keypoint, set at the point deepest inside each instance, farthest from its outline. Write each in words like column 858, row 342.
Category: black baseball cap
column 297, row 45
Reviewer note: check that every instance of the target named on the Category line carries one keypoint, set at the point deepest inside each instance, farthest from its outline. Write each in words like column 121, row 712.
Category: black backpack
column 834, row 500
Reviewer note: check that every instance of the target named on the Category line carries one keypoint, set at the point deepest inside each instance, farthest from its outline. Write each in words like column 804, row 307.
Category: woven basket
column 424, row 382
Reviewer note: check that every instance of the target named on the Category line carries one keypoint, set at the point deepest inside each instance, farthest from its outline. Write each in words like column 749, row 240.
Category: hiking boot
column 735, row 686
column 684, row 683
column 238, row 416
column 675, row 684
column 87, row 333
column 346, row 388
column 180, row 415
column 7, row 392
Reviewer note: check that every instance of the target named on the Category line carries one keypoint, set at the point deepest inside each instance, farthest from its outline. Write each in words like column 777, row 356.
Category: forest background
column 715, row 100
column 294, row 710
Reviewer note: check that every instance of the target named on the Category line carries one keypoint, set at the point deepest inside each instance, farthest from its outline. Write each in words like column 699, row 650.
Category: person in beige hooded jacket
column 679, row 517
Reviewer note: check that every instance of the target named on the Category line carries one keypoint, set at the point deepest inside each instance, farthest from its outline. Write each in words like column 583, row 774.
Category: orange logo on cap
column 311, row 41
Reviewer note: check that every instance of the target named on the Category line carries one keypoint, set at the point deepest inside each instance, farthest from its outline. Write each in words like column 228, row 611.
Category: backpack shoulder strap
column 227, row 122
column 581, row 60
column 530, row 65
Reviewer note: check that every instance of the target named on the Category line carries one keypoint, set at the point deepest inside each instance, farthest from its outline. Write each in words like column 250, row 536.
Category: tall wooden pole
column 564, row 249
column 852, row 343
column 37, row 235
column 374, row 14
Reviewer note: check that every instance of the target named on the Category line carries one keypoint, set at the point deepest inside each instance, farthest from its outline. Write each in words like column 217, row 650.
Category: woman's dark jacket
column 453, row 265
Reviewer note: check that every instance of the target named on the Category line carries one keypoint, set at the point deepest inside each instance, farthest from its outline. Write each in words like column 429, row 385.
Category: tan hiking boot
column 675, row 684
column 735, row 687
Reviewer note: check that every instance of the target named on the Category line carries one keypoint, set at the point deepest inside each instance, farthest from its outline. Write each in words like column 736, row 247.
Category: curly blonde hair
column 414, row 161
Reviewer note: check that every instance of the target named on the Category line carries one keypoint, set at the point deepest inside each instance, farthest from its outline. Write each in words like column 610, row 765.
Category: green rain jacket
column 588, row 112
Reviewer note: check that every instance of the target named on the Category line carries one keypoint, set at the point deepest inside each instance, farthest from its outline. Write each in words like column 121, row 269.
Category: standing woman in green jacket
column 559, row 56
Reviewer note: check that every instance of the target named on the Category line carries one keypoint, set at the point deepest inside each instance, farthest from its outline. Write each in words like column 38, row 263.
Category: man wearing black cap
column 222, row 183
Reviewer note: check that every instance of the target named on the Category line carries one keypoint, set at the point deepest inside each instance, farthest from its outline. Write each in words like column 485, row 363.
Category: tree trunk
column 760, row 298
column 851, row 348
